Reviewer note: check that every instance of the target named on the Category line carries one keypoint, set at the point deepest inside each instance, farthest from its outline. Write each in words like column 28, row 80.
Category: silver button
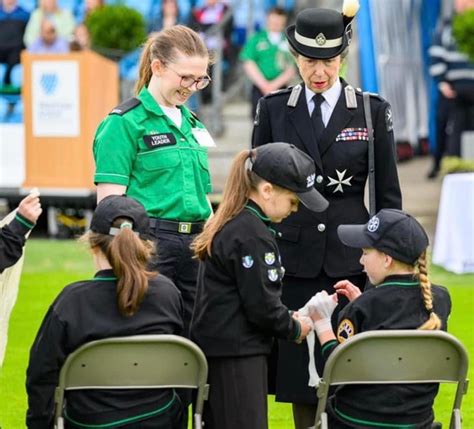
column 319, row 179
column 321, row 227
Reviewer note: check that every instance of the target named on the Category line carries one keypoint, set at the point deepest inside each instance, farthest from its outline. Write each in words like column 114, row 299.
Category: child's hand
column 322, row 305
column 30, row 206
column 348, row 289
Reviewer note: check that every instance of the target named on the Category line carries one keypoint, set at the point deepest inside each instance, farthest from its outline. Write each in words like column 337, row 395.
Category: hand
column 447, row 90
column 321, row 305
column 306, row 325
column 348, row 289
column 30, row 206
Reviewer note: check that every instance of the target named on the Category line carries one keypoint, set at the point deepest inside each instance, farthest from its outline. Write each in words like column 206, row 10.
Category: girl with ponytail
column 238, row 309
column 393, row 247
column 124, row 298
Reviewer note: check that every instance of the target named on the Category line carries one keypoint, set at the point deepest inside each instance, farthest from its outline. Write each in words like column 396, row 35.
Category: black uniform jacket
column 12, row 240
column 87, row 311
column 395, row 304
column 238, row 309
column 308, row 241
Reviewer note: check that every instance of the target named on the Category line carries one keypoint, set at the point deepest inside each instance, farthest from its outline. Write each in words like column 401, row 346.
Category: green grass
column 50, row 265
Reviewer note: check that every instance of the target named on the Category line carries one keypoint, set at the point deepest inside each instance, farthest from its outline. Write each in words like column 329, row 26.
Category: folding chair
column 399, row 356
column 135, row 362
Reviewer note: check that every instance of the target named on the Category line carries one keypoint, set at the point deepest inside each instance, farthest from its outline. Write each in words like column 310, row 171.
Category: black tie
column 317, row 117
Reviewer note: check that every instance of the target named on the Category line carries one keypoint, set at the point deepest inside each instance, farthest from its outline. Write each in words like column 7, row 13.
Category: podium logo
column 49, row 82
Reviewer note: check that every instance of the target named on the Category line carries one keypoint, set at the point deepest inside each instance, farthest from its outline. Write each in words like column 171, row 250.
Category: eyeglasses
column 188, row 81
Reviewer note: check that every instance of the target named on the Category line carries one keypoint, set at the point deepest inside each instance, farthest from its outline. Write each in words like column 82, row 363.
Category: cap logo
column 310, row 180
column 320, row 39
column 373, row 224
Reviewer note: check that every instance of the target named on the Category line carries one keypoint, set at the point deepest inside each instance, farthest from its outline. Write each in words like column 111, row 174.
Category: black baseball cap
column 285, row 165
column 391, row 231
column 115, row 206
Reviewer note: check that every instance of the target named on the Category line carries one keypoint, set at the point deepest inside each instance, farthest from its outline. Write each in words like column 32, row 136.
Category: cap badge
column 270, row 258
column 247, row 261
column 373, row 224
column 310, row 180
column 320, row 39
column 273, row 275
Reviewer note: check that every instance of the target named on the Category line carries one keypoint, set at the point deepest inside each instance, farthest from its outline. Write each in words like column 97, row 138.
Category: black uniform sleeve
column 46, row 358
column 12, row 240
column 258, row 276
column 262, row 130
column 387, row 186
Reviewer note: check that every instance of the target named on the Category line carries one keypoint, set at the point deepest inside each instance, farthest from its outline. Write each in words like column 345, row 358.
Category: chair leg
column 324, row 421
column 456, row 419
column 436, row 425
column 197, row 421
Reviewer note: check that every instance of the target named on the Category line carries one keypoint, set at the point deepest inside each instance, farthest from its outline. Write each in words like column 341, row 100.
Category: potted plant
column 115, row 30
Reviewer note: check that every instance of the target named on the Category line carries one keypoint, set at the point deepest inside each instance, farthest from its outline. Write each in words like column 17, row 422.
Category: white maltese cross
column 339, row 181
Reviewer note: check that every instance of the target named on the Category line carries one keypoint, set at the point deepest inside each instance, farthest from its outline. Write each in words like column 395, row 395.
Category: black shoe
column 433, row 173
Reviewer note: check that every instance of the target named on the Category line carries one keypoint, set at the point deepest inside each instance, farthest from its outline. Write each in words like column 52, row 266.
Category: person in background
column 48, row 9
column 81, row 39
column 453, row 71
column 13, row 235
column 152, row 148
column 124, row 298
column 266, row 58
column 238, row 309
column 49, row 42
column 13, row 20
column 394, row 256
column 324, row 116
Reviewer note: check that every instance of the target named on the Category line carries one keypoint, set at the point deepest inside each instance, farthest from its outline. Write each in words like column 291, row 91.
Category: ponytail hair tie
column 126, row 225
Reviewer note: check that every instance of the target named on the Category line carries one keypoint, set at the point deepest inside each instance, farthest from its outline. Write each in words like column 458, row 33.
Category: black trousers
column 174, row 259
column 237, row 394
column 292, row 361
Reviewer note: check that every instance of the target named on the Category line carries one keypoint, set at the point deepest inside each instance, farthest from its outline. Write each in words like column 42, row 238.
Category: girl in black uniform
column 394, row 258
column 123, row 299
column 238, row 309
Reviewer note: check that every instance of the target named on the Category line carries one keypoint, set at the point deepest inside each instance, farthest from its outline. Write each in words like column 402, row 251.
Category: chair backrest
column 398, row 356
column 135, row 362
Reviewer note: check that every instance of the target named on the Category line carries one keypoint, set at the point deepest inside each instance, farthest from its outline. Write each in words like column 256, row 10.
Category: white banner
column 55, row 96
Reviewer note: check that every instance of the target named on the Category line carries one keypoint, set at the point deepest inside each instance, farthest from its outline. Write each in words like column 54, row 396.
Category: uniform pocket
column 204, row 171
column 159, row 159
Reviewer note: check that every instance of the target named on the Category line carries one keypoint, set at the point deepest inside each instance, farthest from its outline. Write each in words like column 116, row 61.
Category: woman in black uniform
column 394, row 258
column 238, row 309
column 324, row 117
column 123, row 298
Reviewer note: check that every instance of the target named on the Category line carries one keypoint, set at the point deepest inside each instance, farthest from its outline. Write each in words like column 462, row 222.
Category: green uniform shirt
column 271, row 59
column 162, row 166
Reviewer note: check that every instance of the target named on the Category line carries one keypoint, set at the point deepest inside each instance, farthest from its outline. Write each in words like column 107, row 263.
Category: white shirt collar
column 330, row 96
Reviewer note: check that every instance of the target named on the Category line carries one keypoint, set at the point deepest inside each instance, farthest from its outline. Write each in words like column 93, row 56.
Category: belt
column 174, row 226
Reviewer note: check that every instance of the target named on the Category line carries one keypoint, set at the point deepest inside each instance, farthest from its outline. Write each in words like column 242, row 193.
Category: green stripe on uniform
column 374, row 424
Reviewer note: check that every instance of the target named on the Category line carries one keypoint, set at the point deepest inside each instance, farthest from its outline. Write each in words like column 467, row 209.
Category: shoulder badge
column 351, row 100
column 295, row 94
column 388, row 118
column 126, row 106
column 345, row 330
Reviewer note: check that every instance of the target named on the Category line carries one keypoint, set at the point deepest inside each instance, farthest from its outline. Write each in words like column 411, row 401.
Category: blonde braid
column 433, row 321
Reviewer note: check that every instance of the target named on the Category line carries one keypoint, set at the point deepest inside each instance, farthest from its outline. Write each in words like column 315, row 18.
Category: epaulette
column 279, row 92
column 194, row 115
column 126, row 106
column 350, row 95
column 377, row 96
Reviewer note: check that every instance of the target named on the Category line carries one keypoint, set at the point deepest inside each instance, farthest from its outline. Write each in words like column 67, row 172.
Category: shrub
column 463, row 31
column 116, row 29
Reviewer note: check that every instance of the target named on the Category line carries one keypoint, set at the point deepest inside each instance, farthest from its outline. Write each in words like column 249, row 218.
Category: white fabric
column 330, row 99
column 454, row 238
column 9, row 282
column 325, row 305
column 311, row 42
column 174, row 113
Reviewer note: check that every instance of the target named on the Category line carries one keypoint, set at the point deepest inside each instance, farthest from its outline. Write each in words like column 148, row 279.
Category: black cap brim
column 310, row 52
column 313, row 200
column 354, row 236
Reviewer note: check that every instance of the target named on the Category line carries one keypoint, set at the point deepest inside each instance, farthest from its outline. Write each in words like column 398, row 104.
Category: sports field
column 50, row 265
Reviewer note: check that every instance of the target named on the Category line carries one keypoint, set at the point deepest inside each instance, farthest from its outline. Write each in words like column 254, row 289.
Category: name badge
column 154, row 141
column 203, row 137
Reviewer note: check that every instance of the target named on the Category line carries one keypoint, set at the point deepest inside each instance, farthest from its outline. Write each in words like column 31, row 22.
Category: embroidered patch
column 310, row 180
column 388, row 119
column 345, row 330
column 270, row 258
column 154, row 141
column 373, row 224
column 353, row 134
column 339, row 181
column 273, row 275
column 247, row 261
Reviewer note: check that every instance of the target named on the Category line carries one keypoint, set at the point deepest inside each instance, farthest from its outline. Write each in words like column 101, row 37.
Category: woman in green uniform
column 153, row 149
